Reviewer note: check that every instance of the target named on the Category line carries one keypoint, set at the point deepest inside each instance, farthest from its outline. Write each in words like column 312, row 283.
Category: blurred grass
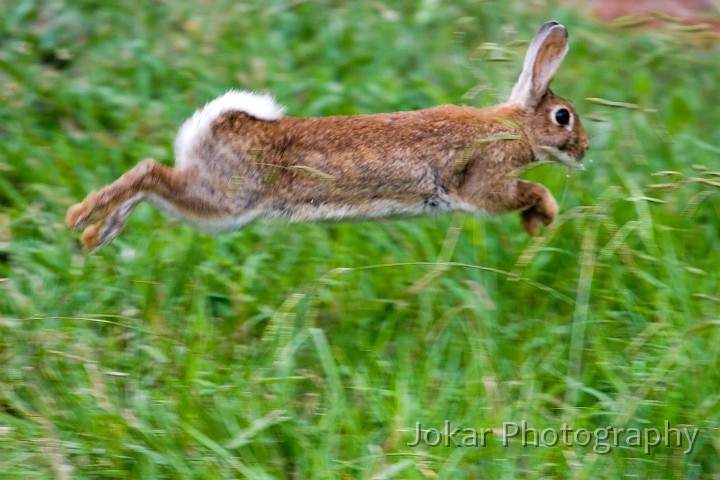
column 311, row 351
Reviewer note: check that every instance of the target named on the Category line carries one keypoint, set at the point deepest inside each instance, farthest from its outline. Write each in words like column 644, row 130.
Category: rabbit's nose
column 584, row 144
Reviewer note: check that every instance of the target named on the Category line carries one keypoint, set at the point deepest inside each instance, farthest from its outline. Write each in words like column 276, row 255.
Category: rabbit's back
column 402, row 163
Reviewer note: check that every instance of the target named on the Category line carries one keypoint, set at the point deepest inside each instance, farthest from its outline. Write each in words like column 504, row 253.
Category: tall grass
column 309, row 351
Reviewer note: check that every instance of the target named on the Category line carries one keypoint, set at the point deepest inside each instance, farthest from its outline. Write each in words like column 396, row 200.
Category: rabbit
column 239, row 158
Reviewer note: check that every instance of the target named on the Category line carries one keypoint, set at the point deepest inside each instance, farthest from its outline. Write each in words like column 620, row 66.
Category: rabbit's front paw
column 542, row 213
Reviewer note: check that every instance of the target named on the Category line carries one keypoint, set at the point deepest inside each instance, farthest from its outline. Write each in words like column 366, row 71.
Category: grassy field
column 312, row 351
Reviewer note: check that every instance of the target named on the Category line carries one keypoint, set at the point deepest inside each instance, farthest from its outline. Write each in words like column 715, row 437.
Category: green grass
column 311, row 351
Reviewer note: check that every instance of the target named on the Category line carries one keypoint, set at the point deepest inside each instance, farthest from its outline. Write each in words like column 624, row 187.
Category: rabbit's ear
column 545, row 54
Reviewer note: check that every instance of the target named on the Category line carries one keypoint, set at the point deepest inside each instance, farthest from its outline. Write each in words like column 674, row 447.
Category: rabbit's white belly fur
column 205, row 224
column 373, row 209
column 317, row 212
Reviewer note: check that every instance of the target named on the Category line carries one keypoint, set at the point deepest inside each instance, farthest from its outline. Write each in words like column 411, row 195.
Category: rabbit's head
column 551, row 123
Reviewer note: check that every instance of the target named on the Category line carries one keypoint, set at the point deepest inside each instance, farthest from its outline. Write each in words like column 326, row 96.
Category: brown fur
column 405, row 163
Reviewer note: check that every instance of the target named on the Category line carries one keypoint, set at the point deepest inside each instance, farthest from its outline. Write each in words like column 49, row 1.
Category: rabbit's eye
column 562, row 117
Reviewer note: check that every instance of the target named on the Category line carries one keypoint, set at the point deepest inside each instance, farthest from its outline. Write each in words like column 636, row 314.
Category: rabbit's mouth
column 560, row 156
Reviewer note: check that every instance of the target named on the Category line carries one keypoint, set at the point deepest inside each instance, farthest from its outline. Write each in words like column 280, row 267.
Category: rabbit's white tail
column 260, row 106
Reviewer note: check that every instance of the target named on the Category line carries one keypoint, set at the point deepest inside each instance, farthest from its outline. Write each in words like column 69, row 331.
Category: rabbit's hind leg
column 103, row 232
column 97, row 205
column 184, row 193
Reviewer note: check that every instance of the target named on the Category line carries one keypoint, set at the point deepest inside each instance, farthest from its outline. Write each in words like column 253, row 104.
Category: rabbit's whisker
column 564, row 158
